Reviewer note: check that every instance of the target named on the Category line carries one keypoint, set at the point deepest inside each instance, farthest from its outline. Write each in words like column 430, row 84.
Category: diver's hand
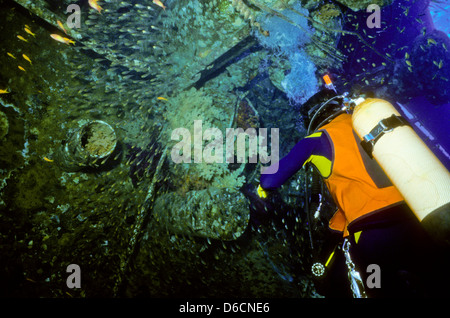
column 261, row 192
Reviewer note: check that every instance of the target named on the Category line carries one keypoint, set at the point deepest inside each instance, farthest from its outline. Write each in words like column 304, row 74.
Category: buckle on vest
column 384, row 126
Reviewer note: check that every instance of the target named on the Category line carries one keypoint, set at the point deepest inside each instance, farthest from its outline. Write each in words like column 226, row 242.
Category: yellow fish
column 159, row 4
column 29, row 32
column 162, row 98
column 22, row 38
column 406, row 11
column 11, row 55
column 439, row 65
column 26, row 58
column 21, row 68
column 94, row 5
column 48, row 160
column 61, row 26
column 30, row 280
column 204, row 53
column 61, row 39
column 5, row 91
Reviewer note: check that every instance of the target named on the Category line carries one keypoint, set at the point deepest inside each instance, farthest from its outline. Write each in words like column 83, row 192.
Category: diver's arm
column 293, row 162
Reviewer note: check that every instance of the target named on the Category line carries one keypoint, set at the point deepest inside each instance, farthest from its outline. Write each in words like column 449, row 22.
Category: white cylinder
column 415, row 171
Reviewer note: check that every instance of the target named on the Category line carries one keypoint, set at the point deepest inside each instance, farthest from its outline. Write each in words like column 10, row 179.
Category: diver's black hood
column 311, row 106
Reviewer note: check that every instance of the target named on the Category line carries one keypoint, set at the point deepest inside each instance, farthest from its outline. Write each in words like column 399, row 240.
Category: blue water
column 440, row 12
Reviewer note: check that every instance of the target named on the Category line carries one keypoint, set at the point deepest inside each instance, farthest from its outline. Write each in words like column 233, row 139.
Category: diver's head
column 320, row 107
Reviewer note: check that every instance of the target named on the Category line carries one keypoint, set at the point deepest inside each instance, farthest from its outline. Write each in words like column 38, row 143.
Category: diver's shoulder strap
column 385, row 125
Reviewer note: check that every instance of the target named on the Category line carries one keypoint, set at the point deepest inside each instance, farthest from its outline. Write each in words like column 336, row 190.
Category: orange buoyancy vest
column 351, row 182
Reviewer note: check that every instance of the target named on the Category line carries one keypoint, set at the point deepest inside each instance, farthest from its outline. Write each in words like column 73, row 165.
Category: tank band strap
column 384, row 126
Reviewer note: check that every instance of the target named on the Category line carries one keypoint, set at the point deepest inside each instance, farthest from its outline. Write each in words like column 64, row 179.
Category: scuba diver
column 377, row 230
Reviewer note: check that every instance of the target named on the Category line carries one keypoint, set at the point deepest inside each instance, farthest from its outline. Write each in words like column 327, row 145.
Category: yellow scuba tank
column 420, row 177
